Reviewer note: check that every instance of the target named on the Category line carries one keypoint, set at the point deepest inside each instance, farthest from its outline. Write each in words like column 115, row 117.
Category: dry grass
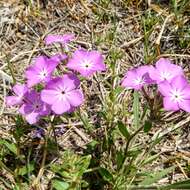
column 108, row 27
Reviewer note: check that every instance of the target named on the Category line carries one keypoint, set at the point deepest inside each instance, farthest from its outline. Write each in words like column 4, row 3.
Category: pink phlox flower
column 33, row 107
column 137, row 78
column 63, row 94
column 43, row 68
column 86, row 62
column 176, row 94
column 63, row 39
column 19, row 90
column 165, row 70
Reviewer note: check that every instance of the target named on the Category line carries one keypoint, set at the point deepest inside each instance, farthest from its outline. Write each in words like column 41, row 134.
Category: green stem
column 127, row 147
column 55, row 137
column 41, row 171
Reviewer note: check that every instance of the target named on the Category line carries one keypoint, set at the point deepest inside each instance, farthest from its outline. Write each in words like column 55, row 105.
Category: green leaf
column 123, row 130
column 92, row 145
column 107, row 176
column 156, row 176
column 178, row 185
column 26, row 169
column 118, row 90
column 136, row 108
column 9, row 145
column 60, row 185
column 147, row 126
column 83, row 164
column 150, row 159
column 119, row 159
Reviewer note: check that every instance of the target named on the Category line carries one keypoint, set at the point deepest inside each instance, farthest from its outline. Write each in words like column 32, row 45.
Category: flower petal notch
column 176, row 94
column 86, row 62
column 63, row 94
column 165, row 70
column 137, row 78
column 63, row 39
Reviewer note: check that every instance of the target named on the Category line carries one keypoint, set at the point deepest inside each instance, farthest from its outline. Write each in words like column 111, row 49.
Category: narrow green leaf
column 83, row 164
column 150, row 159
column 118, row 90
column 149, row 180
column 106, row 174
column 147, row 126
column 178, row 185
column 9, row 145
column 123, row 130
column 136, row 108
column 60, row 185
column 24, row 170
column 119, row 159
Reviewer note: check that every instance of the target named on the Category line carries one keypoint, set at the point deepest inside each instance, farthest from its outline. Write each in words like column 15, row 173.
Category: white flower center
column 61, row 93
column 139, row 81
column 176, row 95
column 43, row 74
column 164, row 75
column 86, row 64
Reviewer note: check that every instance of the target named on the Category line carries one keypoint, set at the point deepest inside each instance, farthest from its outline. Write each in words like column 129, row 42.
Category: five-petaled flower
column 63, row 39
column 63, row 94
column 20, row 90
column 176, row 94
column 137, row 78
column 86, row 62
column 165, row 70
column 33, row 107
column 43, row 68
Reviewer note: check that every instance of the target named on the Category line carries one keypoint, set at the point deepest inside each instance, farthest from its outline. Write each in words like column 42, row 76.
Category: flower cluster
column 169, row 78
column 45, row 93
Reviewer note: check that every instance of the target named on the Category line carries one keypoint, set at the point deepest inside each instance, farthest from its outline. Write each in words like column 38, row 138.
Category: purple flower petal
column 185, row 105
column 58, row 57
column 66, row 83
column 86, row 62
column 165, row 70
column 63, row 39
column 137, row 78
column 170, row 105
column 164, row 88
column 179, row 82
column 75, row 97
column 62, row 94
column 186, row 92
column 33, row 107
column 32, row 76
column 13, row 100
column 60, row 107
column 20, row 90
column 43, row 68
column 32, row 118
column 26, row 109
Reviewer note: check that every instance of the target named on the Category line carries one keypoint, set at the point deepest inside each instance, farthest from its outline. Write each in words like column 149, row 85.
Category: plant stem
column 41, row 171
column 127, row 147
